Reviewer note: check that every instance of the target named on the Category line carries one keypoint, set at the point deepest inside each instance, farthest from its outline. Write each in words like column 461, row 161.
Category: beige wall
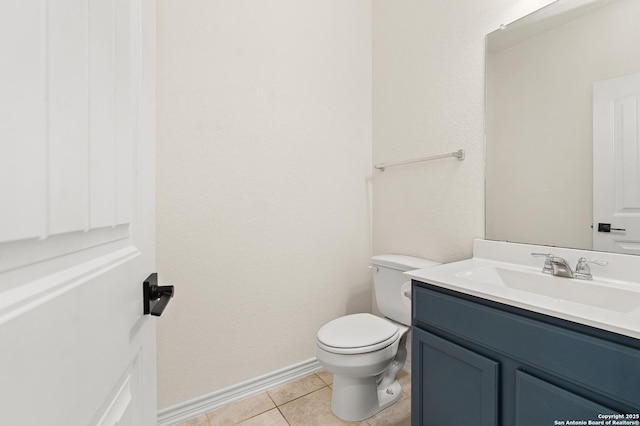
column 264, row 164
column 428, row 99
column 428, row 96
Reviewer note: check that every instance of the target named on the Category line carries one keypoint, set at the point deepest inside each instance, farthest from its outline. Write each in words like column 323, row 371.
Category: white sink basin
column 591, row 293
column 507, row 273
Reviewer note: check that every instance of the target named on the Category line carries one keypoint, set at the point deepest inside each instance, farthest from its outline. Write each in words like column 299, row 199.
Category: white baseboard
column 202, row 404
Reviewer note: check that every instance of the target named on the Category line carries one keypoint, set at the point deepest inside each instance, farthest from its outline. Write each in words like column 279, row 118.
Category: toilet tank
column 390, row 284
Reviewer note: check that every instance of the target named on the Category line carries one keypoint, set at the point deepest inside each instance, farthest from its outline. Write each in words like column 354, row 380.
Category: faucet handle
column 595, row 262
column 547, row 255
column 583, row 271
column 548, row 268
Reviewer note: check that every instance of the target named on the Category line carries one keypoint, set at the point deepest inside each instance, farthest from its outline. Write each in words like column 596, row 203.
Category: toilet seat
column 357, row 334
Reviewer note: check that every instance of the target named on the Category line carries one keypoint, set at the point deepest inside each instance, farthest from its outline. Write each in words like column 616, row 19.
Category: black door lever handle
column 156, row 297
column 606, row 227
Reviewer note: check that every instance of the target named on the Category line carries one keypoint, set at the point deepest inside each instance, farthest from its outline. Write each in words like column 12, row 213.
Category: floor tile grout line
column 298, row 397
column 258, row 414
column 328, row 384
column 302, row 396
column 278, row 407
column 269, row 395
column 283, row 416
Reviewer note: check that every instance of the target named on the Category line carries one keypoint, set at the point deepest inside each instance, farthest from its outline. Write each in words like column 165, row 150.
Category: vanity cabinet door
column 541, row 403
column 452, row 385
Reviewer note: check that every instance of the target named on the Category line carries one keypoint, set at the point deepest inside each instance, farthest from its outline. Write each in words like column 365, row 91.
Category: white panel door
column 616, row 164
column 76, row 212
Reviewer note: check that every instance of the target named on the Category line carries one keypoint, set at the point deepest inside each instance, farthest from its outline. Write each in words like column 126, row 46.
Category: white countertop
column 619, row 319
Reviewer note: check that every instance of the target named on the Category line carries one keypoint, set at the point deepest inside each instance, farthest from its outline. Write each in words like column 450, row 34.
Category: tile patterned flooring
column 304, row 402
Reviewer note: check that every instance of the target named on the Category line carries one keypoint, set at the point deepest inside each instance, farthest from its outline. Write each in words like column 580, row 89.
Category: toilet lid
column 357, row 331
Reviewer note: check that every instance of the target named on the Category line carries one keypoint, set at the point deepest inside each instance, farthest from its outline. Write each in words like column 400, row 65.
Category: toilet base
column 357, row 399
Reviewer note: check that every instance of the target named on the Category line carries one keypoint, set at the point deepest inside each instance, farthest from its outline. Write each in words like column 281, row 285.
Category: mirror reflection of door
column 616, row 164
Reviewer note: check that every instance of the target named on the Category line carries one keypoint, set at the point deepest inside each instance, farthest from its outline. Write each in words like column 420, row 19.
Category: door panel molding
column 26, row 298
column 28, row 252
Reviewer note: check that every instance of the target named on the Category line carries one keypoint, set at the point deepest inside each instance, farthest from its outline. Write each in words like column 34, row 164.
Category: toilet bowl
column 358, row 370
column 365, row 352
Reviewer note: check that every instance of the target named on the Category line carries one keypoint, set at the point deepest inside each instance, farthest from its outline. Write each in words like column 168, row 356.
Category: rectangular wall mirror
column 563, row 127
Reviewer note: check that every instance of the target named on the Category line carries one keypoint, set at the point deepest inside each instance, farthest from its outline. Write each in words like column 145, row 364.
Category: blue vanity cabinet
column 448, row 374
column 478, row 362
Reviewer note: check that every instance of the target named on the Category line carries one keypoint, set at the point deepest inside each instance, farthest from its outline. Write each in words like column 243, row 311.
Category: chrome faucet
column 555, row 265
column 583, row 271
column 559, row 267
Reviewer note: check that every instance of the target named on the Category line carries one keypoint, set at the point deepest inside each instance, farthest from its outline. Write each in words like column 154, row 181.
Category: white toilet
column 364, row 352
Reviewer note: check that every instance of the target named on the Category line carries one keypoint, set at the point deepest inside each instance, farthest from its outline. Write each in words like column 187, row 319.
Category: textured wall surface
column 264, row 165
column 428, row 91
